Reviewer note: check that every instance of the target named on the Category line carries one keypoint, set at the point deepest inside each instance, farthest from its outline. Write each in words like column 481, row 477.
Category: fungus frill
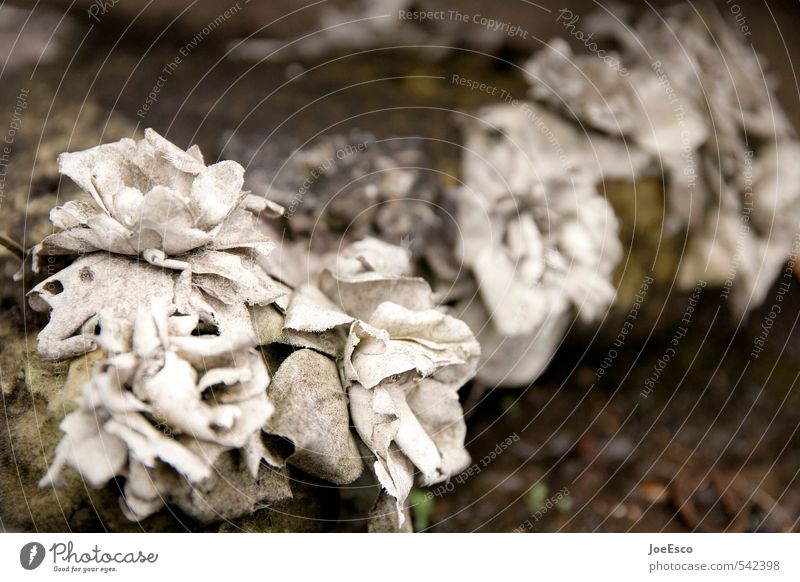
column 202, row 237
column 539, row 238
column 162, row 409
column 705, row 113
column 153, row 199
column 402, row 361
column 344, row 186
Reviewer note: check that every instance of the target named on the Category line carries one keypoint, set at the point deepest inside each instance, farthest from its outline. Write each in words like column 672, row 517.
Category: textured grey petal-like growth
column 162, row 409
column 203, row 235
column 344, row 186
column 218, row 293
column 149, row 195
column 76, row 295
column 314, row 321
column 369, row 272
column 402, row 362
column 538, row 237
column 229, row 492
column 712, row 126
column 404, row 373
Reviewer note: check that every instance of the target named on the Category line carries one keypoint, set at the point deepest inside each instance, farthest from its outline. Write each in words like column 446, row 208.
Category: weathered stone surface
column 35, row 396
column 311, row 412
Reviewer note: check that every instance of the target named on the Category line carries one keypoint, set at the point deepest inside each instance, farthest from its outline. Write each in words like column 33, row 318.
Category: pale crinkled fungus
column 153, row 199
column 217, row 288
column 402, row 361
column 344, row 184
column 163, row 408
column 536, row 234
column 706, row 114
column 202, row 237
column 404, row 369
